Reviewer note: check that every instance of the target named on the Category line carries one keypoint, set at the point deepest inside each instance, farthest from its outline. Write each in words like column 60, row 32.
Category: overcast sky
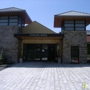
column 43, row 11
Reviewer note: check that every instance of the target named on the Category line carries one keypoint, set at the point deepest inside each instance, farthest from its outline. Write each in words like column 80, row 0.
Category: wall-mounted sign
column 43, row 35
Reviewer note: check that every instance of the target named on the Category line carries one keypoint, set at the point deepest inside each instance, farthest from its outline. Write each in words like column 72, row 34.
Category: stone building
column 35, row 42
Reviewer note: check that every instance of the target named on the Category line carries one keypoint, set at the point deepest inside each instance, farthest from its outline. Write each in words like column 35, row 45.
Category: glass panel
column 75, row 54
column 75, row 60
column 4, row 17
column 19, row 25
column 69, row 28
column 20, row 22
column 68, row 21
column 3, row 24
column 79, row 28
column 25, row 51
column 88, row 48
column 69, row 25
column 4, row 20
column 79, row 25
column 13, row 20
column 44, row 52
column 37, row 52
column 11, row 17
column 13, row 24
column 30, row 52
column 79, row 21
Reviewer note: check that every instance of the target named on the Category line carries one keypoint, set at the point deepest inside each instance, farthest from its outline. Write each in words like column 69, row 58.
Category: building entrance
column 40, row 52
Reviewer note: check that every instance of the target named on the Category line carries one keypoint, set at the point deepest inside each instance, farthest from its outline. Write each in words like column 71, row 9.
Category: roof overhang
column 58, row 20
column 39, row 36
column 22, row 14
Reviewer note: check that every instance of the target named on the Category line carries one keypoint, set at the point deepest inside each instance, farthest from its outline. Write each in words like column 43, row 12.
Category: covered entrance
column 40, row 52
column 40, row 47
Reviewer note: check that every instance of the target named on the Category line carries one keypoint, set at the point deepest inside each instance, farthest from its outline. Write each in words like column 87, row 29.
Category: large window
column 69, row 25
column 3, row 20
column 74, row 25
column 11, row 21
column 88, row 48
column 79, row 25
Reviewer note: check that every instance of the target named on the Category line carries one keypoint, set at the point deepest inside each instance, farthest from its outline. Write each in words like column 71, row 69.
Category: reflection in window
column 44, row 52
column 12, row 24
column 74, row 25
column 69, row 25
column 3, row 17
column 3, row 24
column 30, row 52
column 69, row 21
column 69, row 28
column 11, row 20
column 80, row 28
column 13, row 17
column 37, row 52
column 79, row 25
column 88, row 49
column 79, row 21
column 4, row 20
column 75, row 54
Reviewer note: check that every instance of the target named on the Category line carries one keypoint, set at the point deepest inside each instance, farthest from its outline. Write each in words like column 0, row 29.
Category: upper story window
column 80, row 25
column 11, row 21
column 74, row 25
column 3, row 20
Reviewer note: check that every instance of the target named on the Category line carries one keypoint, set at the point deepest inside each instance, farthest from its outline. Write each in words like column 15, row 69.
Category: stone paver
column 44, row 76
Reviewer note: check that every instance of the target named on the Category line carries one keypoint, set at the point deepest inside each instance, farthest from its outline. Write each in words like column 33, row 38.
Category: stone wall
column 9, row 43
column 74, row 38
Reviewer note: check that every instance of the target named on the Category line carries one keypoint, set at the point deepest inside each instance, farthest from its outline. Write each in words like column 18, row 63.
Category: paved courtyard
column 45, row 76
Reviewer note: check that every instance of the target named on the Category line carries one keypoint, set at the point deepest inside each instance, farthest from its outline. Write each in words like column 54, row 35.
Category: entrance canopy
column 39, row 36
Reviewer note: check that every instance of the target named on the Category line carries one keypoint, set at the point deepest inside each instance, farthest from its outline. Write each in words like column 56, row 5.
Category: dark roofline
column 72, row 11
column 39, row 35
column 71, row 16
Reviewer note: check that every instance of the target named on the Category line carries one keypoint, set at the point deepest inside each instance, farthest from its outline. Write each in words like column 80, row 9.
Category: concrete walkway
column 45, row 76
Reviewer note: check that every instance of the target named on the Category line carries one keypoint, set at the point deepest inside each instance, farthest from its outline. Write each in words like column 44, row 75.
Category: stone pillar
column 9, row 43
column 74, row 38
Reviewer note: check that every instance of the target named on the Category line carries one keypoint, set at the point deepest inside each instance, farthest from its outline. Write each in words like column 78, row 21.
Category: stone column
column 74, row 38
column 9, row 43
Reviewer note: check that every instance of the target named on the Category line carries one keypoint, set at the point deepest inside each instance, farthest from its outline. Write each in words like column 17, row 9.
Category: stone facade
column 74, row 38
column 9, row 43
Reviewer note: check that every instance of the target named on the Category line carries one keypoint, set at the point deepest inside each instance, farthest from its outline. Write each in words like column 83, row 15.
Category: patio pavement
column 45, row 76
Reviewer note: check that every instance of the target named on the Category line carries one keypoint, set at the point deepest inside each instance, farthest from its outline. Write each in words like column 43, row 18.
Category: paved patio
column 45, row 76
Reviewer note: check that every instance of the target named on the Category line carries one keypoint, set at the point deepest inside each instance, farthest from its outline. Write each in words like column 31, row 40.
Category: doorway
column 40, row 52
column 74, row 54
column 51, row 52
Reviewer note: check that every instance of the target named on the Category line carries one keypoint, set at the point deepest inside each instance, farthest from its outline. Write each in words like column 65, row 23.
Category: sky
column 43, row 11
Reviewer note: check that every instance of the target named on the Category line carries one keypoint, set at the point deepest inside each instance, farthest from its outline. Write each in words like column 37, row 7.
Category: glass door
column 37, row 51
column 44, row 52
column 75, row 54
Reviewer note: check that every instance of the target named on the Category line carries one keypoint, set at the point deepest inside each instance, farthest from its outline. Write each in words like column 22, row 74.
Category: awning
column 39, row 36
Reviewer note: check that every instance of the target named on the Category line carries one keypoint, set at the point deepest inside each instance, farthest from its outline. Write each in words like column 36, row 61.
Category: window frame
column 74, row 28
column 88, row 49
column 76, row 56
column 12, row 18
